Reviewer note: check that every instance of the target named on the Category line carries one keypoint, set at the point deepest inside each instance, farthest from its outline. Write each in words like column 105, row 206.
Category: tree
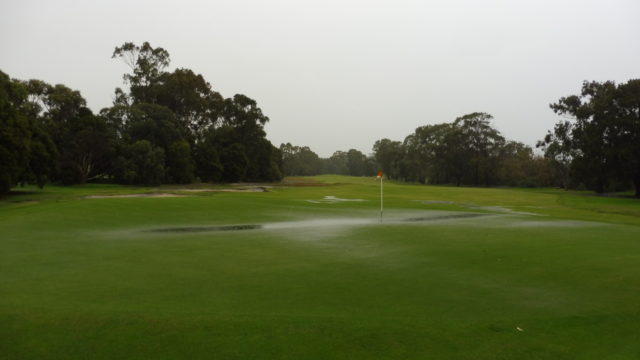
column 154, row 123
column 244, row 122
column 141, row 164
column 560, row 153
column 182, row 126
column 87, row 149
column 389, row 155
column 602, row 142
column 195, row 105
column 467, row 151
column 234, row 161
column 43, row 157
column 517, row 166
column 628, row 95
column 482, row 144
column 336, row 164
column 427, row 152
column 147, row 64
column 356, row 162
column 208, row 165
column 299, row 160
column 157, row 125
column 180, row 165
column 166, row 108
column 14, row 133
column 70, row 144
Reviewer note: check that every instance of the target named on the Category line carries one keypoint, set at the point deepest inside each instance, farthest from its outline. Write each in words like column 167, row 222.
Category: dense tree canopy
column 468, row 151
column 173, row 127
column 164, row 127
column 600, row 146
column 14, row 133
column 201, row 133
column 299, row 160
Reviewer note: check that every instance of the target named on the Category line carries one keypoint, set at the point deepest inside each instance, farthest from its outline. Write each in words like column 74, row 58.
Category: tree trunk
column 636, row 183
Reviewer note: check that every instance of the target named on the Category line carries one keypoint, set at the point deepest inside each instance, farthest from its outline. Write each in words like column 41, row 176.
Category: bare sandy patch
column 238, row 189
column 154, row 195
column 254, row 189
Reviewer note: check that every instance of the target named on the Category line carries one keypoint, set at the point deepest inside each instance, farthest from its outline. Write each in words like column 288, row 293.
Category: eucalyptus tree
column 207, row 158
column 389, row 156
column 217, row 138
column 147, row 64
column 427, row 153
column 245, row 122
column 481, row 144
column 140, row 163
column 356, row 163
column 190, row 97
column 14, row 133
column 628, row 95
column 299, row 160
column 70, row 143
column 336, row 164
column 601, row 139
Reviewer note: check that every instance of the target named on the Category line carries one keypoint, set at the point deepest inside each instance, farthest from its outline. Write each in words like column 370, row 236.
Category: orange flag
column 380, row 174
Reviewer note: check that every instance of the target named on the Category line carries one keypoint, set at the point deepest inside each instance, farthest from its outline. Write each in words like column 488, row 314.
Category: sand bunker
column 254, row 189
column 238, row 189
column 154, row 195
column 171, row 195
column 304, row 182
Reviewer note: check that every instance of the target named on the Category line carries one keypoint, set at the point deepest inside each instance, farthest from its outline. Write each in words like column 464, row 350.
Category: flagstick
column 381, row 198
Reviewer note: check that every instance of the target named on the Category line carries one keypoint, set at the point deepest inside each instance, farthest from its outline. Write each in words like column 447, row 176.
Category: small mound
column 332, row 200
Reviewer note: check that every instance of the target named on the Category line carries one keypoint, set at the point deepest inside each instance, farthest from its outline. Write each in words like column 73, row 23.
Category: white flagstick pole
column 381, row 198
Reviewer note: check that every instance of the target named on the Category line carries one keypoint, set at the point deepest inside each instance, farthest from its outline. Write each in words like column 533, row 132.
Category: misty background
column 335, row 75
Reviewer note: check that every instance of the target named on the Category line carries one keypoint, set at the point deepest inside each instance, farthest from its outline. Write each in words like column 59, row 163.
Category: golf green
column 308, row 270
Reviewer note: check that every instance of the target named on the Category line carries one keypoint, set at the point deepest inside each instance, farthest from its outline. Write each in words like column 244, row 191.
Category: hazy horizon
column 335, row 75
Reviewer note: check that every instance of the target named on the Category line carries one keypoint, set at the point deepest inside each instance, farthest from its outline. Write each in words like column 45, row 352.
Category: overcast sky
column 335, row 75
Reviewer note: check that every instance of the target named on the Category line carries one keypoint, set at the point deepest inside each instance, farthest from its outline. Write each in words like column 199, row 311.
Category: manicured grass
column 483, row 274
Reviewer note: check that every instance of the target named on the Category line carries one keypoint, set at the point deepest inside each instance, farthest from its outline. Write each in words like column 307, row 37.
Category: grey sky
column 335, row 75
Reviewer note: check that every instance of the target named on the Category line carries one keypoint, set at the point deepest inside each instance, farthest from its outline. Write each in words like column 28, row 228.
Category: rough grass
column 85, row 279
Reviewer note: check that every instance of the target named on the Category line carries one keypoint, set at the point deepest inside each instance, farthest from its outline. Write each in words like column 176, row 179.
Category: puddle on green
column 195, row 229
column 444, row 217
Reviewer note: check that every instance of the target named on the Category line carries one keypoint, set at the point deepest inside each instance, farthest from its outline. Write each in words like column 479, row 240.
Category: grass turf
column 545, row 274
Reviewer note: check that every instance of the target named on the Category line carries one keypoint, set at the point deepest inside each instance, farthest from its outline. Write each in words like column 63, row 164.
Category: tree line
column 167, row 127
column 302, row 161
column 172, row 127
column 596, row 147
column 469, row 151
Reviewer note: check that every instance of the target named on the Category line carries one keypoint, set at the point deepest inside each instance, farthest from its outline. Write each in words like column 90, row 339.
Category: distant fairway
column 307, row 271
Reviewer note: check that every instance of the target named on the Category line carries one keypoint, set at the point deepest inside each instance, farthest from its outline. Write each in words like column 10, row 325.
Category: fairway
column 306, row 270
